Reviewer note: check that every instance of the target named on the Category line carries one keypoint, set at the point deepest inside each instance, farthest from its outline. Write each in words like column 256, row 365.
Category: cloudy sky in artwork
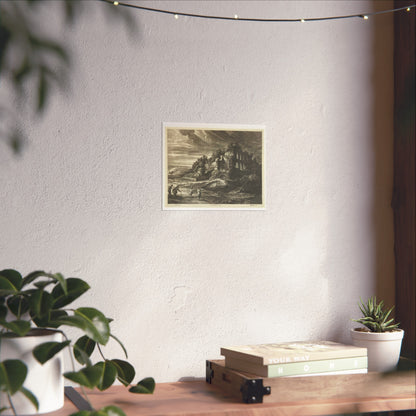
column 184, row 146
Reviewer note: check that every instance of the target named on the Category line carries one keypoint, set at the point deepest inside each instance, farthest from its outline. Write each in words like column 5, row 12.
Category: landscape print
column 213, row 166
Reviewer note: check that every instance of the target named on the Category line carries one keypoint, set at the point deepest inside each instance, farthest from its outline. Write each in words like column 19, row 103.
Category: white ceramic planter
column 383, row 348
column 44, row 381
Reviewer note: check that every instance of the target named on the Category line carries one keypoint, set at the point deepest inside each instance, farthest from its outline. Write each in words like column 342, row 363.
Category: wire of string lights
column 364, row 16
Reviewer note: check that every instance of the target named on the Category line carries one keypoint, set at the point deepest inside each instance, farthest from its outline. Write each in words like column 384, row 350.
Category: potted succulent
column 380, row 335
column 34, row 310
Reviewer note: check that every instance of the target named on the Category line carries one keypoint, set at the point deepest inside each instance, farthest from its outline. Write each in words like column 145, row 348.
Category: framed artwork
column 213, row 166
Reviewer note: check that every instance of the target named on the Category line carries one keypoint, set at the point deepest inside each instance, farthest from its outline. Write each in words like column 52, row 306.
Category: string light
column 249, row 19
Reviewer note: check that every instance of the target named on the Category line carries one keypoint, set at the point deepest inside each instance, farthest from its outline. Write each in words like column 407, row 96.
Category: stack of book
column 296, row 359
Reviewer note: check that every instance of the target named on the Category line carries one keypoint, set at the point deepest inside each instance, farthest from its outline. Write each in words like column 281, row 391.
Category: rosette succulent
column 375, row 317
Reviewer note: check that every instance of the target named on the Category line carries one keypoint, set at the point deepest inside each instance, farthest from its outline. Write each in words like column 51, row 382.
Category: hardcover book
column 292, row 352
column 345, row 365
column 332, row 373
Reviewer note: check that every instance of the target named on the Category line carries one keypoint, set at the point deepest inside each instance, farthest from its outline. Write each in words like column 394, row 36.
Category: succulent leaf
column 375, row 318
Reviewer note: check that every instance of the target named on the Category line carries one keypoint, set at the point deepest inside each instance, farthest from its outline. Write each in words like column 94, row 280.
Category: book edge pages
column 341, row 351
column 346, row 364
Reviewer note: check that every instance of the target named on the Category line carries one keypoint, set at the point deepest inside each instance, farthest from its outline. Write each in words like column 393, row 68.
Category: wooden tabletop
column 198, row 398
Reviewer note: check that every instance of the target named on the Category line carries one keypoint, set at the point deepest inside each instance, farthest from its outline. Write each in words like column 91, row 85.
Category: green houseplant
column 39, row 303
column 380, row 334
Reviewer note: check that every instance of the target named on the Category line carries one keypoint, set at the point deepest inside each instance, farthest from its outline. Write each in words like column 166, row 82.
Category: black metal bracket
column 209, row 372
column 253, row 391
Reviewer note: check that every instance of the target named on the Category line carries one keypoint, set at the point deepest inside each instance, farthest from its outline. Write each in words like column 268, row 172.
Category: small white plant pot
column 44, row 381
column 383, row 348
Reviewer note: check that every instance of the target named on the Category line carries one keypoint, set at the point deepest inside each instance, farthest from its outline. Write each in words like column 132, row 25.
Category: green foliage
column 83, row 349
column 375, row 318
column 40, row 300
column 88, row 376
column 12, row 375
column 105, row 411
column 39, row 62
column 125, row 371
column 44, row 352
column 29, row 395
column 145, row 386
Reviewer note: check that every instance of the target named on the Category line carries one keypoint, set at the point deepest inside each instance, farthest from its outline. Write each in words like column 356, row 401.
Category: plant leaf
column 3, row 312
column 75, row 321
column 40, row 304
column 98, row 328
column 389, row 312
column 43, row 89
column 12, row 375
column 120, row 343
column 18, row 327
column 30, row 396
column 88, row 376
column 44, row 283
column 6, row 287
column 75, row 288
column 55, row 316
column 94, row 324
column 83, row 413
column 45, row 351
column 83, row 358
column 105, row 411
column 62, row 281
column 18, row 305
column 110, row 411
column 145, row 386
column 83, row 349
column 52, row 46
column 54, row 277
column 125, row 371
column 20, row 73
column 108, row 374
column 31, row 277
column 13, row 276
column 374, row 317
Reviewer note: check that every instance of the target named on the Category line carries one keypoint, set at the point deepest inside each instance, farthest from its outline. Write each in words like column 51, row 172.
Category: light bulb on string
column 250, row 19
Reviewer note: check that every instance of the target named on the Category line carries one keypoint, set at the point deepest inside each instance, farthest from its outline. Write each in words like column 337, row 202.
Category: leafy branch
column 31, row 60
column 40, row 301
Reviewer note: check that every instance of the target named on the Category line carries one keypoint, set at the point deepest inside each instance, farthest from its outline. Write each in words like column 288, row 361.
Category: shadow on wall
column 44, row 62
column 363, row 248
column 382, row 142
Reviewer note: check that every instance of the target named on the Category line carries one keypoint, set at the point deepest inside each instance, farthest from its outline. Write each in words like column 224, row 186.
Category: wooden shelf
column 297, row 396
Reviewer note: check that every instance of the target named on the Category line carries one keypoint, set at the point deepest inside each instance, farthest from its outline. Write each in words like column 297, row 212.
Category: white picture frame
column 213, row 166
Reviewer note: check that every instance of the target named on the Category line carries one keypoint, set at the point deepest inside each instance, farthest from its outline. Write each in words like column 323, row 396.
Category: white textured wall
column 85, row 197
